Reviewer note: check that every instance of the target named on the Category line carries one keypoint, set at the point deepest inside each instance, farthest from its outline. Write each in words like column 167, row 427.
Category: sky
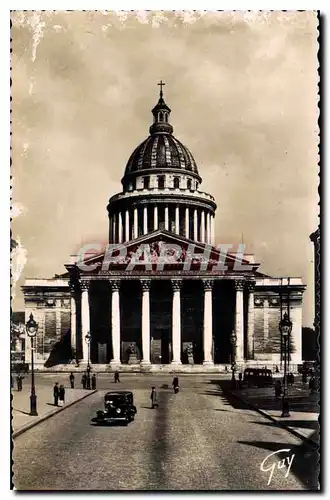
column 243, row 92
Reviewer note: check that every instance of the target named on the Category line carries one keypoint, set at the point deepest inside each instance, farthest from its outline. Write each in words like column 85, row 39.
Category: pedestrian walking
column 117, row 376
column 83, row 380
column 61, row 394
column 304, row 377
column 71, row 378
column 240, row 380
column 94, row 382
column 154, row 398
column 291, row 378
column 19, row 380
column 278, row 389
column 175, row 384
column 313, row 384
column 276, row 369
column 56, row 391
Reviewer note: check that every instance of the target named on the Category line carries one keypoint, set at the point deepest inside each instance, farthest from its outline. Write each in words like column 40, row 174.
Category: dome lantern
column 161, row 114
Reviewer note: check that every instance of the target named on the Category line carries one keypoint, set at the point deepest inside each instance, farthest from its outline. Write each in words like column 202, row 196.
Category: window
column 161, row 116
column 189, row 184
column 161, row 182
column 146, row 182
column 176, row 182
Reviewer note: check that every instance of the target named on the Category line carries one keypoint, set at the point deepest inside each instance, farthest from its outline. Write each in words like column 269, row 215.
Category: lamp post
column 233, row 339
column 88, row 339
column 31, row 330
column 285, row 327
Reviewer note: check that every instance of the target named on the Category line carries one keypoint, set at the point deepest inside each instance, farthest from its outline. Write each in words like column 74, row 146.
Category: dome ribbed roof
column 161, row 150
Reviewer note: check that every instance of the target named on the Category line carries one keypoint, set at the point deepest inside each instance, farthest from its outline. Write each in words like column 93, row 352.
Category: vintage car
column 118, row 407
column 259, row 377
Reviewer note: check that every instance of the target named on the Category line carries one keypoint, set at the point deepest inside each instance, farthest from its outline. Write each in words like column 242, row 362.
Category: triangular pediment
column 160, row 251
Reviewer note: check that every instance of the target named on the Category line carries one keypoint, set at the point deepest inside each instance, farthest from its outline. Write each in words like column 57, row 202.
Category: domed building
column 161, row 189
column 162, row 294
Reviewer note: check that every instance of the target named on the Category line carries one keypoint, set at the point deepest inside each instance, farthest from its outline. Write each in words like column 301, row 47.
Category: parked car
column 118, row 407
column 308, row 367
column 259, row 377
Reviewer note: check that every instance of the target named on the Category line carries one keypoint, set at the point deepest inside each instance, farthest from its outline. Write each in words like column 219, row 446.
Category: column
column 110, row 228
column 127, row 225
column 73, row 323
column 145, row 219
column 115, row 323
column 85, row 320
column 195, row 225
column 208, row 228
column 145, row 284
column 239, row 321
column 176, row 322
column 114, row 240
column 296, row 333
column 202, row 231
column 208, row 320
column 212, row 231
column 155, row 217
column 166, row 218
column 120, row 228
column 187, row 223
column 177, row 220
column 250, row 321
column 135, row 223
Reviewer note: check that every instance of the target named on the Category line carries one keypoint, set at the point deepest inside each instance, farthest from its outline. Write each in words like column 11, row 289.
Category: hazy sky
column 243, row 94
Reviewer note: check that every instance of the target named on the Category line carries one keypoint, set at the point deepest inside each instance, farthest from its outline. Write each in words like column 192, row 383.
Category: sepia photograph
column 165, row 251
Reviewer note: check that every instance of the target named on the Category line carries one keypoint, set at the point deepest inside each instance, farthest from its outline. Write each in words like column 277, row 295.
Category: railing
column 165, row 191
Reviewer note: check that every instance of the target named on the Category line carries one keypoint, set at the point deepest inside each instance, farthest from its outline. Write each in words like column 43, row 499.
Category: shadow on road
column 305, row 463
column 21, row 411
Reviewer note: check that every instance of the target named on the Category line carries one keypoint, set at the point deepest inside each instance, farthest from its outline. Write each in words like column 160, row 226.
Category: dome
column 161, row 151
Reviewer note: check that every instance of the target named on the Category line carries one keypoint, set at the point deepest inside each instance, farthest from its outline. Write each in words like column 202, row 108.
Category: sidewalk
column 21, row 420
column 304, row 409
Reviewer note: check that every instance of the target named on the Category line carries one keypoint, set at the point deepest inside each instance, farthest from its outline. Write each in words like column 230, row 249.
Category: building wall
column 51, row 310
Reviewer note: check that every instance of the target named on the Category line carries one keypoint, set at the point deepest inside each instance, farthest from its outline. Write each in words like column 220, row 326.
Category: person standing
column 71, row 378
column 278, row 389
column 154, row 398
column 88, row 381
column 117, row 376
column 83, row 380
column 61, row 394
column 93, row 382
column 56, row 393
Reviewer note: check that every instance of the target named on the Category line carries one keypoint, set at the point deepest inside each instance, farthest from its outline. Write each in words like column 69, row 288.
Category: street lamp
column 88, row 339
column 285, row 327
column 233, row 339
column 31, row 330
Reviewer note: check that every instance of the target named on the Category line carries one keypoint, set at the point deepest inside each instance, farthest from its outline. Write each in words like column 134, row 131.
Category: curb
column 28, row 426
column 278, row 422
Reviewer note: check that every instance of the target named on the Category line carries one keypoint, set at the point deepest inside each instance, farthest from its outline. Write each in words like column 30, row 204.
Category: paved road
column 195, row 441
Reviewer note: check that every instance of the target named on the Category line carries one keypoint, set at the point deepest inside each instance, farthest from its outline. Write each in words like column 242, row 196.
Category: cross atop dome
column 161, row 114
column 161, row 84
